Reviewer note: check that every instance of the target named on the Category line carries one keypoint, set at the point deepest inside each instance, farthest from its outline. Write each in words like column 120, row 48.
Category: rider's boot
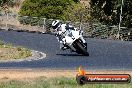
column 63, row 47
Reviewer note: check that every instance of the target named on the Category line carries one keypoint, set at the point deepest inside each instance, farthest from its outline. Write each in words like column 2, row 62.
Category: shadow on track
column 71, row 55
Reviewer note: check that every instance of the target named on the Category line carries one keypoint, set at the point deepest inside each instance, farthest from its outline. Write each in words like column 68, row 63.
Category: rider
column 60, row 29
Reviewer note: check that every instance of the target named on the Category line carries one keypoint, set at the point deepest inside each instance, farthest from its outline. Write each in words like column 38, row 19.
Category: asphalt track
column 104, row 54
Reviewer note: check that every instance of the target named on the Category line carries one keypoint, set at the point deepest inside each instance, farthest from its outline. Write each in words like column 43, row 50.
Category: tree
column 102, row 10
column 5, row 4
column 127, row 14
column 76, row 1
column 108, row 11
column 77, row 13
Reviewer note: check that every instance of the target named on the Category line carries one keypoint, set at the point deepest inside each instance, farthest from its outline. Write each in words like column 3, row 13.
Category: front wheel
column 80, row 48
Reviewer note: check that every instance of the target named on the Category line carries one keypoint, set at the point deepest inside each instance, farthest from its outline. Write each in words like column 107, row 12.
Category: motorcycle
column 74, row 41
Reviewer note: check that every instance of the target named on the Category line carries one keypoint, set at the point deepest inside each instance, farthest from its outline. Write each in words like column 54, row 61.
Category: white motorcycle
column 74, row 41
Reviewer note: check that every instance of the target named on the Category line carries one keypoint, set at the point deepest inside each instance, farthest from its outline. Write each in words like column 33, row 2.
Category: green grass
column 8, row 52
column 61, row 82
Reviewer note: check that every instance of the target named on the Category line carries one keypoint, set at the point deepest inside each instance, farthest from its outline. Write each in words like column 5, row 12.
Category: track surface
column 104, row 54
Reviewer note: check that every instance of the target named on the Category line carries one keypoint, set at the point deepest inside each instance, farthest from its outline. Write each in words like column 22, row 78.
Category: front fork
column 84, row 44
column 82, row 40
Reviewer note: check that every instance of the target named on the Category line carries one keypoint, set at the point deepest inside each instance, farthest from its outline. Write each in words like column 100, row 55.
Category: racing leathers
column 62, row 31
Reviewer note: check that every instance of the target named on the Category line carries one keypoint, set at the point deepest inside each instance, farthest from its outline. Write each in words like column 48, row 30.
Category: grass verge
column 8, row 52
column 59, row 82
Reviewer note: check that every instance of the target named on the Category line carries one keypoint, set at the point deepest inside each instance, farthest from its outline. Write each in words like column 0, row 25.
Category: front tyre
column 80, row 48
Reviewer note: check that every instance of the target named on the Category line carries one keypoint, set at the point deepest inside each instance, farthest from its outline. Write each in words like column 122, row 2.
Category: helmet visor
column 57, row 25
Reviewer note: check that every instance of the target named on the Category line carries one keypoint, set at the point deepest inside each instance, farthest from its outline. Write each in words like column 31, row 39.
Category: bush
column 45, row 8
column 77, row 13
column 1, row 43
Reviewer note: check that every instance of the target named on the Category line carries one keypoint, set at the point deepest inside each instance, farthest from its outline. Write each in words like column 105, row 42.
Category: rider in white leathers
column 62, row 29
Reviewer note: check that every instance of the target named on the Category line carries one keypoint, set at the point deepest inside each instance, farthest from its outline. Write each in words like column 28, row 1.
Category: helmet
column 55, row 24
